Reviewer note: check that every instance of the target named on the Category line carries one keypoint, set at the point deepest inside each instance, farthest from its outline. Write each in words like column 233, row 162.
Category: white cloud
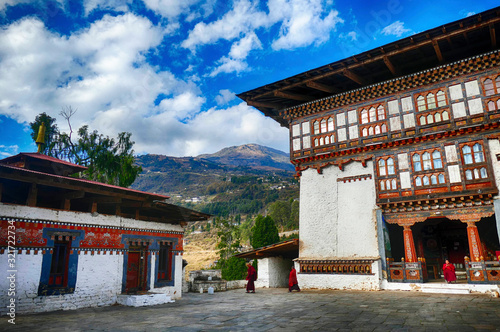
column 244, row 17
column 8, row 150
column 228, row 65
column 397, row 29
column 241, row 48
column 470, row 14
column 172, row 8
column 303, row 23
column 224, row 97
column 116, row 5
column 353, row 35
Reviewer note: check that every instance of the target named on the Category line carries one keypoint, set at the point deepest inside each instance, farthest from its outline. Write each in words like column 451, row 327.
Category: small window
column 384, row 128
column 434, row 179
column 484, row 174
column 423, row 120
column 425, row 180
column 364, row 116
column 377, row 130
column 430, row 119
column 59, row 265
column 382, row 185
column 364, row 132
column 431, row 101
column 441, row 98
column 426, row 161
column 466, row 150
column 421, row 103
column 446, row 116
column 417, row 165
column 390, row 166
column 436, row 158
column 316, row 127
column 372, row 114
column 441, row 178
column 323, row 126
column 370, row 131
column 488, row 87
column 165, row 263
column 321, row 141
column 381, row 167
column 468, row 174
column 393, row 183
column 437, row 117
column 327, row 139
column 478, row 152
column 491, row 105
column 476, row 174
column 418, row 182
column 380, row 113
column 330, row 124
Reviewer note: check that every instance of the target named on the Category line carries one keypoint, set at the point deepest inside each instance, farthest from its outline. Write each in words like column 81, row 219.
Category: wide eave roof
column 450, row 42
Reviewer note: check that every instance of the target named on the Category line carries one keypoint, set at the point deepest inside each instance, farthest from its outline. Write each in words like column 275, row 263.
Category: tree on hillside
column 285, row 214
column 264, row 232
column 228, row 235
column 108, row 160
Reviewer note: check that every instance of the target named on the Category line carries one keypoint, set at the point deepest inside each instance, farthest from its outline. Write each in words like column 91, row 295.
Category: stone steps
column 143, row 300
column 445, row 288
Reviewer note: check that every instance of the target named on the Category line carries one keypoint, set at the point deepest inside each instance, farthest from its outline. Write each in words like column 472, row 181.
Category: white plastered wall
column 273, row 272
column 338, row 221
column 494, row 147
column 99, row 276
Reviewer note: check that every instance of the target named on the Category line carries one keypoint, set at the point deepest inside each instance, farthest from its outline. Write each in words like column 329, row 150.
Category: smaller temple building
column 68, row 243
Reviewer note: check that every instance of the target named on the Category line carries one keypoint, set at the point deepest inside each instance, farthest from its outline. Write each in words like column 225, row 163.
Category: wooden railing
column 406, row 272
column 483, row 272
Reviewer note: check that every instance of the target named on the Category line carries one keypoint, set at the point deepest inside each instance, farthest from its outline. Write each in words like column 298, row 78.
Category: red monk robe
column 251, row 277
column 449, row 272
column 292, row 280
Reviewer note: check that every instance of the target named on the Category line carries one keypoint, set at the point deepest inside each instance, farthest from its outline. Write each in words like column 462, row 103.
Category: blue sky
column 168, row 70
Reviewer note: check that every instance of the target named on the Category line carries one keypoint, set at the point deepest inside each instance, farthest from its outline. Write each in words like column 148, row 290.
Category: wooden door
column 133, row 271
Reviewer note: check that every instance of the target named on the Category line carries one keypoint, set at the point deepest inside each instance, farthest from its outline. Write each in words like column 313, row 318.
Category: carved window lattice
column 493, row 104
column 325, row 125
column 430, row 100
column 475, row 167
column 324, row 140
column 427, row 160
column 370, row 116
column 491, row 86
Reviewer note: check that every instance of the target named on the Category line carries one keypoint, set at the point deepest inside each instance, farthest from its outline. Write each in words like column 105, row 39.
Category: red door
column 133, row 271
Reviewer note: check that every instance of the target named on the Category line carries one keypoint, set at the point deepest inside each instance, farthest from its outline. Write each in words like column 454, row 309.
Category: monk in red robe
column 251, row 277
column 449, row 272
column 292, row 280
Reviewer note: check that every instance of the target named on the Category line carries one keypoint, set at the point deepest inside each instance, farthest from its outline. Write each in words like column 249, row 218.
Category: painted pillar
column 475, row 247
column 410, row 253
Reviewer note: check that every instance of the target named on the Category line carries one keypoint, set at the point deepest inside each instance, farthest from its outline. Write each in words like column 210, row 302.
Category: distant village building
column 397, row 151
column 68, row 243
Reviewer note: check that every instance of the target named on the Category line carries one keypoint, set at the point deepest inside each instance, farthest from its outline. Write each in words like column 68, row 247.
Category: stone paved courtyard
column 278, row 310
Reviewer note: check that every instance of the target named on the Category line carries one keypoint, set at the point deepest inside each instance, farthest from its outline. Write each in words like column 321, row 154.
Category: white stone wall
column 18, row 211
column 337, row 219
column 342, row 281
column 99, row 279
column 273, row 272
column 99, row 276
column 494, row 146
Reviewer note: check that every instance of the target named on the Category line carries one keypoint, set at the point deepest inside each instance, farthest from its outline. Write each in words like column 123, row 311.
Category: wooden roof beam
column 322, row 87
column 394, row 70
column 493, row 35
column 437, row 50
column 354, row 77
column 263, row 104
column 293, row 96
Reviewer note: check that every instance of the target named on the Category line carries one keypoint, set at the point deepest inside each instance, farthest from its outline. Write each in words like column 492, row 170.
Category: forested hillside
column 237, row 182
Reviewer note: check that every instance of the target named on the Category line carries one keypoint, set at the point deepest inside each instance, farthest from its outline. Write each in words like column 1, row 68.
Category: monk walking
column 251, row 277
column 449, row 272
column 292, row 280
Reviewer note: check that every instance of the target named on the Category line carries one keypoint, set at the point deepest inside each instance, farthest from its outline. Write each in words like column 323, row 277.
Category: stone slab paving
column 278, row 310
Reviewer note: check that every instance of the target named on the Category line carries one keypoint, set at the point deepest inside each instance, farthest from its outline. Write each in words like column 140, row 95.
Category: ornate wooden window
column 475, row 167
column 434, row 117
column 491, row 86
column 59, row 264
column 165, row 262
column 324, row 140
column 429, row 179
column 493, row 104
column 427, row 160
column 387, row 172
column 431, row 100
column 372, row 114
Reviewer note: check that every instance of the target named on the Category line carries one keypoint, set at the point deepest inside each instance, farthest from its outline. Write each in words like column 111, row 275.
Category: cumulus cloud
column 396, row 29
column 116, row 5
column 303, row 23
column 224, row 97
column 243, row 18
column 8, row 150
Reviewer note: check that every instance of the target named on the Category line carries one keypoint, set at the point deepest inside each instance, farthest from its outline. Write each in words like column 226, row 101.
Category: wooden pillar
column 32, row 195
column 475, row 248
column 410, row 253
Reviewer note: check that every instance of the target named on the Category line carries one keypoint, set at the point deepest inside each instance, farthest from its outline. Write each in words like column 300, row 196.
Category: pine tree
column 264, row 232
